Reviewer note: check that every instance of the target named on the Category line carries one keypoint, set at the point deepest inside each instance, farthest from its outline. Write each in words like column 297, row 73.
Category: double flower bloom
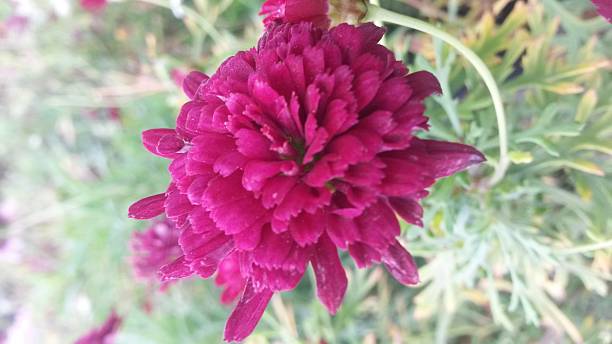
column 294, row 150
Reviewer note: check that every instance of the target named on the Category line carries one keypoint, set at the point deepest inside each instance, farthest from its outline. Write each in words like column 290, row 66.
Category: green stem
column 379, row 23
column 376, row 13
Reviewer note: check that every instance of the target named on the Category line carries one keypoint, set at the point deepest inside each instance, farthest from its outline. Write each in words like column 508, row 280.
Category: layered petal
column 147, row 207
column 400, row 264
column 292, row 150
column 330, row 275
column 247, row 313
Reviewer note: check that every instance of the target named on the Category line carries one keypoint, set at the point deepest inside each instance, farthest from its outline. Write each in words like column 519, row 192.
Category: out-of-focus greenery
column 526, row 261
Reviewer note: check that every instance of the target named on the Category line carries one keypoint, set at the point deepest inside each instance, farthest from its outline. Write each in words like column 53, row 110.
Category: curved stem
column 376, row 13
column 379, row 22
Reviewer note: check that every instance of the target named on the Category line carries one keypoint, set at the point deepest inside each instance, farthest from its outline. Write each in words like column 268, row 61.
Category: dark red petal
column 273, row 249
column 392, row 94
column 604, row 7
column 364, row 255
column 342, row 231
column 329, row 273
column 409, row 209
column 232, row 207
column 423, row 84
column 175, row 270
column 192, row 82
column 229, row 163
column 253, row 144
column 162, row 142
column 401, row 264
column 365, row 174
column 314, row 11
column 247, row 313
column 276, row 189
column 249, row 239
column 307, row 228
column 404, row 176
column 256, row 173
column 177, row 204
column 441, row 158
column 366, row 87
column 196, row 189
column 208, row 147
column 378, row 225
column 275, row 279
column 147, row 207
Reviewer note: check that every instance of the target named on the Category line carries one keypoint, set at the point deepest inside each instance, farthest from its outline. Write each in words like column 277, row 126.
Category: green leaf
column 520, row 157
column 586, row 106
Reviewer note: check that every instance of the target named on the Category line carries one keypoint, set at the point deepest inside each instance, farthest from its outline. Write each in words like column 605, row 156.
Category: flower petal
column 604, row 7
column 148, row 207
column 423, row 84
column 307, row 228
column 273, row 249
column 409, row 209
column 247, row 313
column 329, row 273
column 441, row 158
column 192, row 83
column 364, row 255
column 256, row 172
column 378, row 225
column 162, row 142
column 176, row 270
column 253, row 145
column 401, row 264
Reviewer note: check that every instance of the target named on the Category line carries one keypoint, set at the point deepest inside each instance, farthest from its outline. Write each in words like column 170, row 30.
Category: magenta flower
column 292, row 150
column 104, row 334
column 153, row 248
column 295, row 11
column 93, row 5
column 604, row 7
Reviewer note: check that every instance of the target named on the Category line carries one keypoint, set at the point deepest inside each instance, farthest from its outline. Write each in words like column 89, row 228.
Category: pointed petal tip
column 400, row 263
column 330, row 275
column 148, row 207
column 478, row 157
column 192, row 83
column 247, row 313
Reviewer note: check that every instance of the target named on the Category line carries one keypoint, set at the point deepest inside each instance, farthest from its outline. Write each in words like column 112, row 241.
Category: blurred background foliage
column 527, row 261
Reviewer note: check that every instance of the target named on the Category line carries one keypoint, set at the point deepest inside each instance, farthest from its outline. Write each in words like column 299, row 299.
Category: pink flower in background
column 104, row 334
column 230, row 278
column 178, row 76
column 93, row 5
column 158, row 246
column 153, row 248
column 295, row 11
column 604, row 7
column 109, row 113
column 14, row 24
column 292, row 150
